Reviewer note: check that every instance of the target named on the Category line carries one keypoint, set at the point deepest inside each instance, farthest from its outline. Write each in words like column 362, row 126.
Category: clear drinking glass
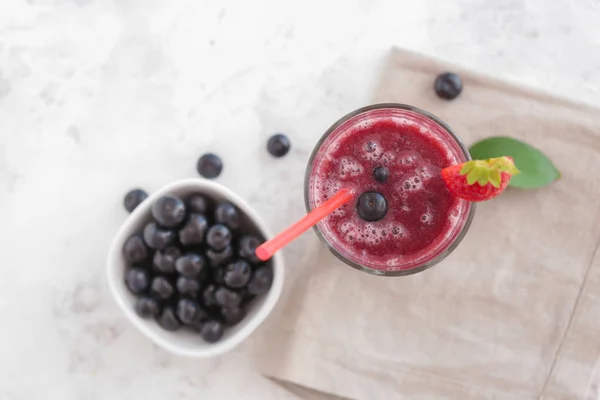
column 403, row 115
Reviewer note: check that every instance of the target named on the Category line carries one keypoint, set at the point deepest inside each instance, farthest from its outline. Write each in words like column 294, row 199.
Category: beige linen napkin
column 513, row 313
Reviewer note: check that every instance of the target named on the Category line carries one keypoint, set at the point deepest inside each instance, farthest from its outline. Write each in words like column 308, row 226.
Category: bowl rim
column 114, row 270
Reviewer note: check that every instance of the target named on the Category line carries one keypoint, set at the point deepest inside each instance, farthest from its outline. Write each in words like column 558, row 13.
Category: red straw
column 270, row 247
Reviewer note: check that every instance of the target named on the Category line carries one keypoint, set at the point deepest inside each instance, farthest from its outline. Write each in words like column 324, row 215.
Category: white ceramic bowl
column 184, row 342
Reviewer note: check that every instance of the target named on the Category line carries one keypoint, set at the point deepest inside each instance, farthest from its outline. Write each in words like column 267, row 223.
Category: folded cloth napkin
column 512, row 313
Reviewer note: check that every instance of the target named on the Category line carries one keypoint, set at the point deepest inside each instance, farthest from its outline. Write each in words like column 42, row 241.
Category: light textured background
column 98, row 96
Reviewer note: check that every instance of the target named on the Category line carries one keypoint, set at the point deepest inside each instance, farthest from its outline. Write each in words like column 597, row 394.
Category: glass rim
column 379, row 106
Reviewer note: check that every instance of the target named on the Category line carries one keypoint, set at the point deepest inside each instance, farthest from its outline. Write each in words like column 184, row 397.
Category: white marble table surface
column 98, row 96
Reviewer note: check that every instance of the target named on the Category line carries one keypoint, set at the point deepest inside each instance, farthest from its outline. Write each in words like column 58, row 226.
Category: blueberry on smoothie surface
column 371, row 206
column 381, row 174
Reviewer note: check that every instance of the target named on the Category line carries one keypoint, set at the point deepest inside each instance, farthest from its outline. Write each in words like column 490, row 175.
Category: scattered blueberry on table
column 278, row 145
column 209, row 166
column 192, row 266
column 448, row 85
column 133, row 198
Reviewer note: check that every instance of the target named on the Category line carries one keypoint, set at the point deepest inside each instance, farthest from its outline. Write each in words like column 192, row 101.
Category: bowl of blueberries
column 183, row 269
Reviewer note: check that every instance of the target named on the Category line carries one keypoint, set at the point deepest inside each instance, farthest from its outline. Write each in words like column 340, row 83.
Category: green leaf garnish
column 536, row 169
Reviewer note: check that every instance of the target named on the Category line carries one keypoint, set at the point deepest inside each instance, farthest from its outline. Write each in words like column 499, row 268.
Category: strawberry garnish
column 479, row 180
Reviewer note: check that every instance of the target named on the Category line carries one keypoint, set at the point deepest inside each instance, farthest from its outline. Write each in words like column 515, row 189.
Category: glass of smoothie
column 403, row 219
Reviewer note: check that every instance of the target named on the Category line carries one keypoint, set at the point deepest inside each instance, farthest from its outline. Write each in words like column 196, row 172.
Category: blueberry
column 247, row 297
column 227, row 298
column 371, row 206
column 218, row 276
column 190, row 265
column 157, row 238
column 200, row 317
column 187, row 286
column 137, row 280
column 164, row 260
column 261, row 281
column 278, row 145
column 218, row 237
column 134, row 249
column 209, row 166
column 187, row 310
column 217, row 258
column 205, row 273
column 168, row 211
column 233, row 315
column 133, row 198
column 212, row 331
column 448, row 85
column 193, row 231
column 370, row 146
column 208, row 296
column 228, row 215
column 199, row 203
column 161, row 288
column 237, row 274
column 381, row 174
column 168, row 320
column 248, row 245
column 147, row 307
